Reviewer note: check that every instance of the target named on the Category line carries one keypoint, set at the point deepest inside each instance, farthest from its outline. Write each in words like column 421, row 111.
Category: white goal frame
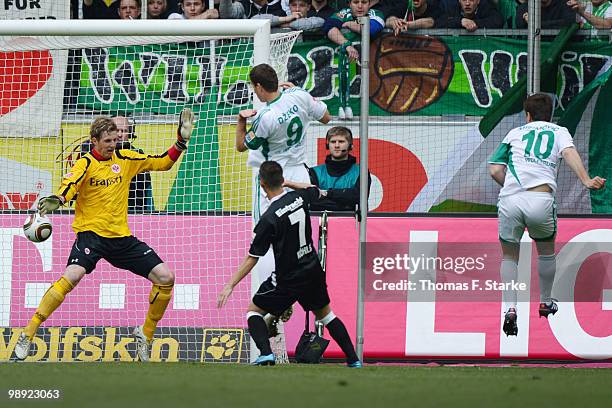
column 260, row 30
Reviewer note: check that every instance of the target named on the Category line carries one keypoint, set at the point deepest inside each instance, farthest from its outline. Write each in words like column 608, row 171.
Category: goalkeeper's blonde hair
column 101, row 125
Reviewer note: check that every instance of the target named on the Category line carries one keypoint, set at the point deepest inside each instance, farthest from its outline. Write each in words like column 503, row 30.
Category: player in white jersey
column 526, row 165
column 277, row 133
column 278, row 130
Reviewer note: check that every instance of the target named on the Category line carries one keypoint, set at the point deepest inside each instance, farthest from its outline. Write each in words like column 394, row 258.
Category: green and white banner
column 451, row 75
column 410, row 74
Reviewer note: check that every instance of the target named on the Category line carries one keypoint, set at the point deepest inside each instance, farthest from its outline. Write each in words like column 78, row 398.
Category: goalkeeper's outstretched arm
column 243, row 270
column 168, row 159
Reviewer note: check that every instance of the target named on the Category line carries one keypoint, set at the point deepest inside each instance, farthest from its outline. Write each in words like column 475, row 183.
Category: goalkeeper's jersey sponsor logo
column 96, row 182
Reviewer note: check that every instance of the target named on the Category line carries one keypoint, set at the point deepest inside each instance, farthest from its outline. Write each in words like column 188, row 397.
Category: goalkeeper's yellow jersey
column 103, row 188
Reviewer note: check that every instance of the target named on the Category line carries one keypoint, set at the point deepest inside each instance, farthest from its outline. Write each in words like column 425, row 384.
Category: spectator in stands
column 100, row 9
column 346, row 20
column 555, row 14
column 129, row 9
column 250, row 9
column 471, row 15
column 298, row 19
column 342, row 28
column 157, row 9
column 595, row 15
column 418, row 14
column 194, row 9
column 141, row 192
column 321, row 9
column 339, row 175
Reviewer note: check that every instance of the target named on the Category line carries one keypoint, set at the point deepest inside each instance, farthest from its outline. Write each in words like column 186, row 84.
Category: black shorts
column 126, row 253
column 276, row 298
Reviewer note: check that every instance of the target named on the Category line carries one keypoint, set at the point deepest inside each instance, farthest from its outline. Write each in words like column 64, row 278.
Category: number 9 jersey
column 279, row 128
column 531, row 154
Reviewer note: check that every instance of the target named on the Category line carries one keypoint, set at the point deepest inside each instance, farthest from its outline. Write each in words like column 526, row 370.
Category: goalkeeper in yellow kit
column 102, row 180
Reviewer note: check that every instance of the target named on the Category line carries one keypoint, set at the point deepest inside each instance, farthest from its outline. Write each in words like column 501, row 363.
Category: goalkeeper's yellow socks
column 158, row 302
column 53, row 297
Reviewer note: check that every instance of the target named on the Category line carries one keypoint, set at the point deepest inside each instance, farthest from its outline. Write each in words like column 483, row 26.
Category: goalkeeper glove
column 49, row 204
column 185, row 127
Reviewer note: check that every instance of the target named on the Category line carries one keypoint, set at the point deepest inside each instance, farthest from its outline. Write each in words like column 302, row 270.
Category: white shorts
column 534, row 210
column 261, row 203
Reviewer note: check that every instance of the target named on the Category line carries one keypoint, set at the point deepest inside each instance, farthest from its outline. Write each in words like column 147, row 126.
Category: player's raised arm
column 166, row 160
column 573, row 160
column 294, row 185
column 241, row 130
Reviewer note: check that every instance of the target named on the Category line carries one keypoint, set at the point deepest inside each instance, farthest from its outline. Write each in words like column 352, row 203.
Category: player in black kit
column 298, row 275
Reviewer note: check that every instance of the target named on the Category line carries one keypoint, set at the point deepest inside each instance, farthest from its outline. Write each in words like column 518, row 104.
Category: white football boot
column 22, row 348
column 143, row 346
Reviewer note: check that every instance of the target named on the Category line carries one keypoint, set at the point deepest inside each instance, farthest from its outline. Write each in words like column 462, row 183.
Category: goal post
column 81, row 28
column 195, row 216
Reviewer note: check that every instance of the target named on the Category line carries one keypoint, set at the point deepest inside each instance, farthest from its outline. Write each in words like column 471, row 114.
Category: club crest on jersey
column 115, row 168
column 68, row 175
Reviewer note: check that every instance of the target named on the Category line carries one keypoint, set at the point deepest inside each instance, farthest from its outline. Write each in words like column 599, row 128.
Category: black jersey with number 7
column 286, row 226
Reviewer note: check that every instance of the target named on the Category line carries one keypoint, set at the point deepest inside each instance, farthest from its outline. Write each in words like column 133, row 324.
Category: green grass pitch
column 175, row 385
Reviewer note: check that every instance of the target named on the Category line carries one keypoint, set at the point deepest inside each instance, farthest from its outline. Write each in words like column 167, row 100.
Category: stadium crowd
column 312, row 16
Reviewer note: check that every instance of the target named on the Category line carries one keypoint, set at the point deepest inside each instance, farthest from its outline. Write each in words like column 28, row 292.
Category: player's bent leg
column 51, row 300
column 159, row 298
column 339, row 333
column 259, row 333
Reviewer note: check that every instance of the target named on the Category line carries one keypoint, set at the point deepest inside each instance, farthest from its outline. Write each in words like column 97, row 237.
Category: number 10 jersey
column 531, row 153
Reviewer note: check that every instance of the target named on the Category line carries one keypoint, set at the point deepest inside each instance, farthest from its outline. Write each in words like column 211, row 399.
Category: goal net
column 196, row 216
